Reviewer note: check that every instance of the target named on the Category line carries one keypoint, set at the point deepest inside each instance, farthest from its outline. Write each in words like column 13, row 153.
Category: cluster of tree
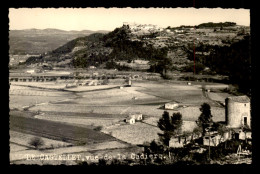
column 125, row 49
column 234, row 61
column 34, row 59
column 212, row 25
column 85, row 58
column 113, row 65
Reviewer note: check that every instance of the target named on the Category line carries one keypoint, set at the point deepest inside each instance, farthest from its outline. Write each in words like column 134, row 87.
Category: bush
column 98, row 128
column 36, row 142
column 81, row 143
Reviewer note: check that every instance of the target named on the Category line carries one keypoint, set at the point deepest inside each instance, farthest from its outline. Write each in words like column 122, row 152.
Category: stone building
column 130, row 119
column 238, row 111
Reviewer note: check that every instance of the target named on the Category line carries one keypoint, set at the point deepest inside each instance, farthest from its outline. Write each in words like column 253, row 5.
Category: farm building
column 170, row 105
column 137, row 116
column 238, row 111
column 133, row 117
column 130, row 120
column 239, row 134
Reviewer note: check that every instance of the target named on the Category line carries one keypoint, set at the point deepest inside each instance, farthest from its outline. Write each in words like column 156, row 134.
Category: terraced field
column 57, row 131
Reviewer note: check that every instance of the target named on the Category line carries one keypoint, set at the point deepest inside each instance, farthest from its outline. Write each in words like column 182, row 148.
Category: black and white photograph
column 129, row 86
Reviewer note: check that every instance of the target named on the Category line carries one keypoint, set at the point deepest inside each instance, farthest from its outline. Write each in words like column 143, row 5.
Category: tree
column 170, row 126
column 36, row 142
column 155, row 147
column 205, row 119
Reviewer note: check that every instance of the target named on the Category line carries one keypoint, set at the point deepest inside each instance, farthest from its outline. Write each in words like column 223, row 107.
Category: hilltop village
column 102, row 95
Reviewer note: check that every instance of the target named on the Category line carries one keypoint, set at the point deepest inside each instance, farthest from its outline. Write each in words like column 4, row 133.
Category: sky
column 110, row 18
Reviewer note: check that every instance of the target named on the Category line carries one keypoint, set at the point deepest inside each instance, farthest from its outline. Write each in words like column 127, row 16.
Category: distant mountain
column 37, row 41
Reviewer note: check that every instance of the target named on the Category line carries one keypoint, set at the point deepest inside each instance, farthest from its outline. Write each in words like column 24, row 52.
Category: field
column 79, row 120
column 66, row 119
column 137, row 133
column 23, row 139
column 217, row 96
column 57, row 131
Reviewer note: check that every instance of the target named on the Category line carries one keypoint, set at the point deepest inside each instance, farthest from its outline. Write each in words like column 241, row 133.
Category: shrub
column 36, row 142
column 81, row 143
column 98, row 128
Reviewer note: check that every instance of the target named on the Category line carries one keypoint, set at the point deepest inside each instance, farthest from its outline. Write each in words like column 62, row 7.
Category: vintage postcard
column 129, row 86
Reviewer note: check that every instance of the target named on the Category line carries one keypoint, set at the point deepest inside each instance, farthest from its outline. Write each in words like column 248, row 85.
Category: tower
column 238, row 111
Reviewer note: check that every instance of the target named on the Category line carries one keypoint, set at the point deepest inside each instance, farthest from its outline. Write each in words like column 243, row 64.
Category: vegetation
column 170, row 126
column 205, row 119
column 199, row 67
column 108, row 48
column 98, row 128
column 59, row 131
column 113, row 65
column 125, row 49
column 36, row 142
column 234, row 61
column 220, row 24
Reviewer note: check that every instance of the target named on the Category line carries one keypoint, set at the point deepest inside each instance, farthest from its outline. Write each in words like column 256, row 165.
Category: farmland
column 57, row 131
column 67, row 118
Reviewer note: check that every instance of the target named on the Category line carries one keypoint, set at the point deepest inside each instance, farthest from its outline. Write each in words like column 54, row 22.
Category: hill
column 37, row 41
column 220, row 24
column 165, row 49
column 99, row 49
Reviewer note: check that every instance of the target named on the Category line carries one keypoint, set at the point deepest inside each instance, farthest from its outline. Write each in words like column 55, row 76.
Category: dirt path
column 205, row 94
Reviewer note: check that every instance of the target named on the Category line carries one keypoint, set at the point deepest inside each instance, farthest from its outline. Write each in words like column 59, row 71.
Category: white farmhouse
column 130, row 120
column 170, row 105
